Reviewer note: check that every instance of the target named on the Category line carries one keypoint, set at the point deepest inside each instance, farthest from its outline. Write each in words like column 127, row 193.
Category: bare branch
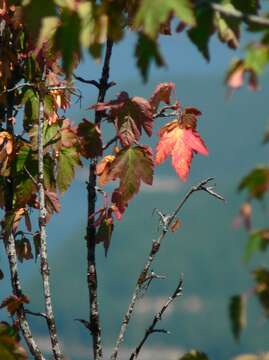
column 16, row 288
column 44, row 266
column 158, row 317
column 167, row 221
column 94, row 318
column 162, row 112
column 89, row 82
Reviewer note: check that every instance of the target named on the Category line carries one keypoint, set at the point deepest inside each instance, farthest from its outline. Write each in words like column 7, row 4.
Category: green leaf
column 201, row 33
column 261, row 276
column 228, row 28
column 10, row 348
column 237, row 313
column 90, row 139
column 22, row 157
column 49, row 174
column 147, row 51
column 132, row 165
column 256, row 182
column 151, row 14
column 31, row 108
column 257, row 57
column 194, row 355
column 247, row 6
column 258, row 241
column 104, row 233
column 68, row 160
column 67, row 39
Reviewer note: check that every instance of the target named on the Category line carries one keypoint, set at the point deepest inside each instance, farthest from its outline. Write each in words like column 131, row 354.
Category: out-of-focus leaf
column 1, row 275
column 67, row 38
column 258, row 241
column 13, row 303
column 151, row 15
column 147, row 51
column 257, row 57
column 228, row 28
column 247, row 6
column 201, row 33
column 194, row 355
column 261, row 277
column 175, row 225
column 256, row 182
column 90, row 139
column 10, row 347
column 36, row 241
column 237, row 313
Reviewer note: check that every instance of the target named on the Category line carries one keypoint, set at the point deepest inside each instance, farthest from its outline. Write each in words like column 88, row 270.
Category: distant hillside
column 207, row 250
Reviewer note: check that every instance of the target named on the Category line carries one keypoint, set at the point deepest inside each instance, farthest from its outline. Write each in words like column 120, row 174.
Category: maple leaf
column 163, row 93
column 131, row 165
column 90, row 139
column 129, row 115
column 180, row 139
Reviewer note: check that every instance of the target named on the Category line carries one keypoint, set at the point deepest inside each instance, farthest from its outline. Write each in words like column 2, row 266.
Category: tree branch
column 44, row 266
column 158, row 317
column 9, row 241
column 166, row 222
column 94, row 319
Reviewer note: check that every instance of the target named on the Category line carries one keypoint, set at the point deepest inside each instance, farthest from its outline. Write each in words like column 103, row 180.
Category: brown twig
column 94, row 318
column 44, row 266
column 166, row 222
column 158, row 317
column 110, row 142
column 162, row 112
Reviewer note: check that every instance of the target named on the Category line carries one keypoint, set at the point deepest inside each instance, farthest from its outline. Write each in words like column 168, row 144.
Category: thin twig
column 162, row 111
column 89, row 82
column 94, row 318
column 158, row 317
column 168, row 220
column 44, row 266
column 110, row 142
column 27, row 311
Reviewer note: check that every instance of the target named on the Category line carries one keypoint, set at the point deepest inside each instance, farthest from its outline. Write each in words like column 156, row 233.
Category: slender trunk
column 6, row 114
column 94, row 318
column 44, row 266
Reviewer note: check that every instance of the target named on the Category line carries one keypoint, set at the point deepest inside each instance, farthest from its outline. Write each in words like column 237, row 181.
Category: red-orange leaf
column 180, row 141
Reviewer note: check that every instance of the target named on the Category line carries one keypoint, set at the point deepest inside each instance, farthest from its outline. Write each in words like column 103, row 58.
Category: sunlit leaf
column 151, row 15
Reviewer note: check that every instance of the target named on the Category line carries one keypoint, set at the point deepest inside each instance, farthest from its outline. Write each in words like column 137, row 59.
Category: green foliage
column 194, row 355
column 258, row 241
column 10, row 347
column 237, row 313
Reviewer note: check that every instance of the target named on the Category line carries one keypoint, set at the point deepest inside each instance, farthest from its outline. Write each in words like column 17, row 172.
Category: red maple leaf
column 180, row 139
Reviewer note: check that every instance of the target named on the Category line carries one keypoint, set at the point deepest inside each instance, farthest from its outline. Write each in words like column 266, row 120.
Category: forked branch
column 166, row 223
column 158, row 317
